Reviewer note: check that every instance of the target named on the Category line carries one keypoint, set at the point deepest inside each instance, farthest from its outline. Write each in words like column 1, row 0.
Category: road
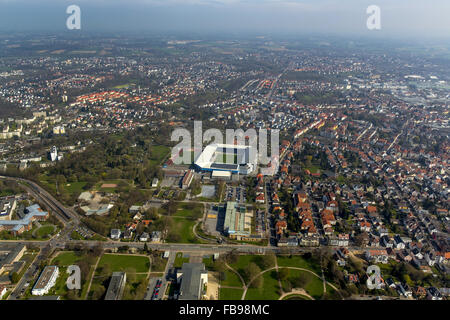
column 71, row 220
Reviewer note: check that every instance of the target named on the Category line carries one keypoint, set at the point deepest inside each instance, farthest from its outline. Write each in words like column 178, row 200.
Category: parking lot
column 237, row 194
column 214, row 220
column 260, row 222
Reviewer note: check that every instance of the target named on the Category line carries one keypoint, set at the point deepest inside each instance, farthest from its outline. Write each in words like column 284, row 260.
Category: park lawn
column 75, row 187
column 190, row 210
column 179, row 260
column 268, row 291
column 131, row 285
column 67, row 258
column 158, row 264
column 298, row 261
column 85, row 285
column 244, row 260
column 45, row 231
column 121, row 262
column 314, row 286
column 330, row 290
column 208, row 262
column 230, row 294
column 183, row 227
column 296, row 296
column 158, row 153
column 231, row 280
column 47, row 183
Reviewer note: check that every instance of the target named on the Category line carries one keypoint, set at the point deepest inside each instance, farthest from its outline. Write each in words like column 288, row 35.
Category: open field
column 179, row 260
column 122, row 262
column 183, row 228
column 230, row 294
column 268, row 291
column 297, row 261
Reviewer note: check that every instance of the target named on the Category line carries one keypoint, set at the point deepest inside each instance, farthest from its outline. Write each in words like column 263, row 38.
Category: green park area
column 230, row 294
column 296, row 274
column 136, row 268
column 122, row 262
column 158, row 153
column 179, row 260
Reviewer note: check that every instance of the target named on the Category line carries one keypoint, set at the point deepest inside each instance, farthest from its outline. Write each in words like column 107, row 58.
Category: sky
column 399, row 18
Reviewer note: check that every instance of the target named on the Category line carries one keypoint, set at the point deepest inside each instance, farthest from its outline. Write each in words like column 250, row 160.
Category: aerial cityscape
column 227, row 167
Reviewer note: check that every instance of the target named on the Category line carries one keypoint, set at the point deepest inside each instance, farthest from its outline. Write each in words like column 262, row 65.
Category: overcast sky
column 399, row 18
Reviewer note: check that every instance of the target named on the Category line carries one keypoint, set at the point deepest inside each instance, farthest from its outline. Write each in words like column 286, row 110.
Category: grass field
column 122, row 262
column 268, row 291
column 45, row 231
column 244, row 260
column 179, row 260
column 314, row 286
column 74, row 187
column 157, row 154
column 298, row 262
column 66, row 258
column 296, row 296
column 190, row 210
column 230, row 294
column 183, row 227
column 231, row 279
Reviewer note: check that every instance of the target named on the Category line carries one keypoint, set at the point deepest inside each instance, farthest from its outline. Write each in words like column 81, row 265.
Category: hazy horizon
column 412, row 19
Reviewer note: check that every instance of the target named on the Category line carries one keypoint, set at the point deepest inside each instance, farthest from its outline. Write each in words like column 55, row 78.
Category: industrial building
column 237, row 224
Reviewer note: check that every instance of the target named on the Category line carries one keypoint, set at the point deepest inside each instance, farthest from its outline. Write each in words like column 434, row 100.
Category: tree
column 106, row 271
column 232, row 257
column 250, row 271
column 283, row 274
column 267, row 261
column 257, row 282
column 97, row 250
column 301, row 281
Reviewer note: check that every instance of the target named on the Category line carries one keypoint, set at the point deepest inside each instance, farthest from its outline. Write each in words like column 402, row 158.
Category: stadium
column 230, row 158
